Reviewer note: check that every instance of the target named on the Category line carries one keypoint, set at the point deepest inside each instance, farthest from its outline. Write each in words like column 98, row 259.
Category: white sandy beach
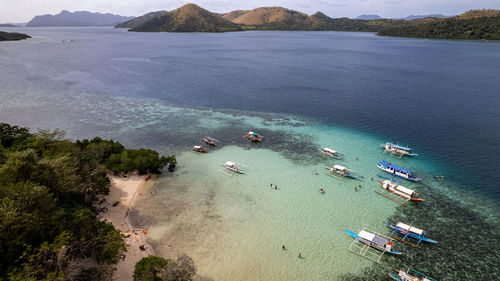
column 126, row 191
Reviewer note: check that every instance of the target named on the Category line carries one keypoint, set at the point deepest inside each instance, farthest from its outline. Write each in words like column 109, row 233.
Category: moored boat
column 397, row 171
column 405, row 193
column 329, row 152
column 410, row 275
column 211, row 141
column 199, row 148
column 253, row 137
column 341, row 170
column 398, row 149
column 407, row 231
column 234, row 167
column 367, row 239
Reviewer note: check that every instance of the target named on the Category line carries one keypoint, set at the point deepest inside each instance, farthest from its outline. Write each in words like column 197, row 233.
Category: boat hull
column 355, row 236
column 411, row 234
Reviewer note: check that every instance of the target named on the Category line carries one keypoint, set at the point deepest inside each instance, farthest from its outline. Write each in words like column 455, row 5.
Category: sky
column 19, row 11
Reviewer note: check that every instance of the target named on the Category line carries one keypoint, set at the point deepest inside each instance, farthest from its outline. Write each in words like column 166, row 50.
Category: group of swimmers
column 273, row 186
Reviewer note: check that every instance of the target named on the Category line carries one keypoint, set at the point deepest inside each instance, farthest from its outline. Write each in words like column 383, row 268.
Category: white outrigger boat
column 329, row 152
column 371, row 245
column 234, row 167
column 410, row 275
column 399, row 193
column 398, row 149
column 341, row 170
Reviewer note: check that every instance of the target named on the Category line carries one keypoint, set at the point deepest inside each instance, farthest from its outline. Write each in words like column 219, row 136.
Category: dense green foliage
column 11, row 36
column 47, row 189
column 486, row 28
column 155, row 268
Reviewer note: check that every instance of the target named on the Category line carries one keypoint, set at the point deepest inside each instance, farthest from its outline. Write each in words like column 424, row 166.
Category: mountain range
column 80, row 18
column 192, row 18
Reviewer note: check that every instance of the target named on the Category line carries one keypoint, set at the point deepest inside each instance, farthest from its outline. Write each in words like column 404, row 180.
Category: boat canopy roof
column 410, row 228
column 338, row 167
column 229, row 163
column 196, row 146
column 398, row 146
column 387, row 164
column 366, row 235
column 329, row 150
column 405, row 190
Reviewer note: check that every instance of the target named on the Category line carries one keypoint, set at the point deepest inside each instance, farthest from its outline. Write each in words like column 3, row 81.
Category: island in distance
column 12, row 36
column 80, row 18
column 475, row 24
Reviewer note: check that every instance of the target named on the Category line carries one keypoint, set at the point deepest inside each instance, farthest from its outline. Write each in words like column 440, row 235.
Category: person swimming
column 321, row 190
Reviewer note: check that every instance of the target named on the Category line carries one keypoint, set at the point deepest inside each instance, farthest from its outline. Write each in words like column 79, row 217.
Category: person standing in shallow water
column 283, row 247
column 300, row 255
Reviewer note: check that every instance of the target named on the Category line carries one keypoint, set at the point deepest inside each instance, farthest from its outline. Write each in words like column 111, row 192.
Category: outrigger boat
column 399, row 193
column 408, row 231
column 341, row 170
column 367, row 241
column 329, row 152
column 234, row 167
column 211, row 141
column 410, row 275
column 397, row 171
column 398, row 149
column 252, row 137
column 199, row 148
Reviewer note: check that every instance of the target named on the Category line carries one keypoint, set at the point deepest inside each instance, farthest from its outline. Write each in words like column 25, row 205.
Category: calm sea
column 301, row 89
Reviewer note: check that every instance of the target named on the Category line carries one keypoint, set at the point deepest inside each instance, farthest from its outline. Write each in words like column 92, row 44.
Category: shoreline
column 123, row 194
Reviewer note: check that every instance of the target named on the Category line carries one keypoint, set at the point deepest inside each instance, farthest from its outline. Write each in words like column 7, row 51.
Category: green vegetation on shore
column 12, row 36
column 48, row 187
column 483, row 25
column 475, row 24
column 155, row 268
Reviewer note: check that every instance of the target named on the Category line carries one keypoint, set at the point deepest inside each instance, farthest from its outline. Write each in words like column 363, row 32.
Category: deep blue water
column 440, row 96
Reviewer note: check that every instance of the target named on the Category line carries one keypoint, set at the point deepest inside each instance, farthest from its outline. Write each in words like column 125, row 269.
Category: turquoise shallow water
column 320, row 86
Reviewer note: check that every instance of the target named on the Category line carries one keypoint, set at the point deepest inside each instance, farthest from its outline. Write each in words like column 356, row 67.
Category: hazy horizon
column 20, row 11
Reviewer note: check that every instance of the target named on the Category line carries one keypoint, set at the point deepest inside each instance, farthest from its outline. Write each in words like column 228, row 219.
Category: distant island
column 12, row 36
column 192, row 18
column 80, row 18
column 6, row 25
column 475, row 24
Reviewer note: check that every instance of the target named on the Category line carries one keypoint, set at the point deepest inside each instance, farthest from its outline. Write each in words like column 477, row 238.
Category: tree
column 150, row 269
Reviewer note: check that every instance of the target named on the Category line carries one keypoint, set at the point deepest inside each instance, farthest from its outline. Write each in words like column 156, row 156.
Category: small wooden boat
column 407, row 231
column 410, row 275
column 329, row 152
column 253, row 137
column 211, row 141
column 397, row 149
column 399, row 193
column 234, row 167
column 366, row 240
column 199, row 148
column 398, row 171
column 341, row 170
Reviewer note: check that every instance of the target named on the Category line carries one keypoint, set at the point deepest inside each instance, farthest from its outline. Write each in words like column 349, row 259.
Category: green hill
column 188, row 18
column 11, row 36
column 138, row 21
column 477, row 24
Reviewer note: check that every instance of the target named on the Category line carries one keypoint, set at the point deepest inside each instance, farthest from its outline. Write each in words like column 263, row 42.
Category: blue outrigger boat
column 408, row 231
column 410, row 275
column 367, row 239
column 397, row 171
